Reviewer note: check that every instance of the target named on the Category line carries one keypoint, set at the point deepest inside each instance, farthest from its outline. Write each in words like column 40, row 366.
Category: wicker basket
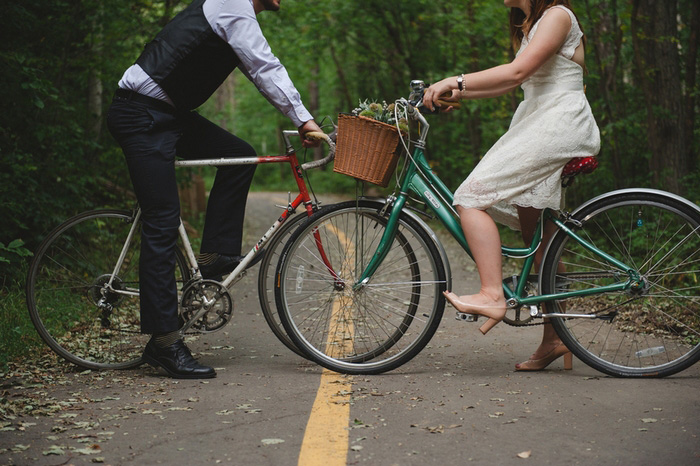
column 366, row 149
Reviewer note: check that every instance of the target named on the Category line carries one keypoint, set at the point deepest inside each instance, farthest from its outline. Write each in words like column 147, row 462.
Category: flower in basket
column 381, row 112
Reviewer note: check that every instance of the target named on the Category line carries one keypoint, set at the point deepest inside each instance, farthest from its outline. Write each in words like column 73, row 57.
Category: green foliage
column 17, row 334
column 13, row 252
column 381, row 112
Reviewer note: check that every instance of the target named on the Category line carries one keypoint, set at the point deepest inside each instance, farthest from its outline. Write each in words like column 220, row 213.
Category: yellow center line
column 325, row 440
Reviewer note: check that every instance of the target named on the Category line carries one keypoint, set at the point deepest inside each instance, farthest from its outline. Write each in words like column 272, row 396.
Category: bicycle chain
column 525, row 325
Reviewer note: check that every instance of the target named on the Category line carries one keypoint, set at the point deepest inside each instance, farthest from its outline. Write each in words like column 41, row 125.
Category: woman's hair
column 519, row 23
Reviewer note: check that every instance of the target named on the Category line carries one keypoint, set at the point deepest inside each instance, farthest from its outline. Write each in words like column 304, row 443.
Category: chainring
column 520, row 316
column 210, row 295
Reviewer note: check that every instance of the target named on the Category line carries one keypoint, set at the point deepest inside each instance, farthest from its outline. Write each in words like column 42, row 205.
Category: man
column 153, row 120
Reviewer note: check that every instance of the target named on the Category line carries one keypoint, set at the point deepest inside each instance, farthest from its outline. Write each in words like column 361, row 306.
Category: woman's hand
column 445, row 90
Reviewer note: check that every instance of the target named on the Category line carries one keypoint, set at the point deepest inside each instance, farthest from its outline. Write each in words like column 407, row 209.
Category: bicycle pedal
column 464, row 317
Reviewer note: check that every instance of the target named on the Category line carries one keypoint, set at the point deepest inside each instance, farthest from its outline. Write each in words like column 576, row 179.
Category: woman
column 521, row 173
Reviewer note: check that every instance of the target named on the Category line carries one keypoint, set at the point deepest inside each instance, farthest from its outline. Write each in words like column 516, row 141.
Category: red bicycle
column 82, row 285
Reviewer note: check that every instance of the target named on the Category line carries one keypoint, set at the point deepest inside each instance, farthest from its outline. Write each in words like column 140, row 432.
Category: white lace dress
column 552, row 125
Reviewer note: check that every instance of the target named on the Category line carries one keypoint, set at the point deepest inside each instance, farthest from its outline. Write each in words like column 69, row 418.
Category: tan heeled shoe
column 495, row 314
column 539, row 364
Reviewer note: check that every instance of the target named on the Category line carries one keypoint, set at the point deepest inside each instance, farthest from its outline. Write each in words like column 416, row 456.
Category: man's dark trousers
column 151, row 134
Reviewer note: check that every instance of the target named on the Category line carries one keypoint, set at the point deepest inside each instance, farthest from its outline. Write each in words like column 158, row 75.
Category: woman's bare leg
column 485, row 244
column 528, row 222
column 484, row 241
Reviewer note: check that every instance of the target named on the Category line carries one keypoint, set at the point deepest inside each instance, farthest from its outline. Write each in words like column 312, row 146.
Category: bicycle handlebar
column 327, row 159
column 416, row 98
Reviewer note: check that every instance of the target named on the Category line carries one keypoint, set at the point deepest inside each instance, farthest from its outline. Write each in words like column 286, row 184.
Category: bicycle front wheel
column 359, row 329
column 66, row 291
column 651, row 330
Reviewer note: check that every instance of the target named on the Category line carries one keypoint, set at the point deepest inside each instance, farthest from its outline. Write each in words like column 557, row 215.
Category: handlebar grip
column 331, row 150
column 316, row 135
column 455, row 105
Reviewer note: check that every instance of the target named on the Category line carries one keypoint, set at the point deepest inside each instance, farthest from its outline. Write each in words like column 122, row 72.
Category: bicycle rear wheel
column 64, row 286
column 650, row 331
column 367, row 329
column 266, row 280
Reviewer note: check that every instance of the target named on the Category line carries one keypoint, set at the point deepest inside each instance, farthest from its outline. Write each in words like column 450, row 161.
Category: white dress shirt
column 235, row 22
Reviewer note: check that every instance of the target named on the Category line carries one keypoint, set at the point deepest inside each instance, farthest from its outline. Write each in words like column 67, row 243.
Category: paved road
column 459, row 401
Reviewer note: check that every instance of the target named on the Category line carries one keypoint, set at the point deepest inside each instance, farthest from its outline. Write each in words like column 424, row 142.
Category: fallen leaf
column 53, row 450
column 648, row 419
column 524, row 454
column 90, row 450
column 271, row 441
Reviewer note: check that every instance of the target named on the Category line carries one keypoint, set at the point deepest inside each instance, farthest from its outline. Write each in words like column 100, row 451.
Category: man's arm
column 235, row 22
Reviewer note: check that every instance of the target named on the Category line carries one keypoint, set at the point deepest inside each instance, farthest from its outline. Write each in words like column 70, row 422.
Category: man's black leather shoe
column 177, row 361
column 225, row 265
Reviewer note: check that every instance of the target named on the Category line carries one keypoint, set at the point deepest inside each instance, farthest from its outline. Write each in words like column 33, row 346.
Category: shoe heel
column 488, row 326
column 568, row 361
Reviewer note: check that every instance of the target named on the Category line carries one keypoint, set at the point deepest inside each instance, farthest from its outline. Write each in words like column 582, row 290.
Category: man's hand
column 308, row 127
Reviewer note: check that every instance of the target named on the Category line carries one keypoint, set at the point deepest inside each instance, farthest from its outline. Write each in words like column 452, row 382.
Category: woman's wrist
column 462, row 86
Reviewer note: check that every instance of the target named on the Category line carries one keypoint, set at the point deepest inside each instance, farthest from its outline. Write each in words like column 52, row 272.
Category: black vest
column 188, row 59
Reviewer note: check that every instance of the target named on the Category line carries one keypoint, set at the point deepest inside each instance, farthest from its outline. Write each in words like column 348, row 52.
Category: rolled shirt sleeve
column 235, row 22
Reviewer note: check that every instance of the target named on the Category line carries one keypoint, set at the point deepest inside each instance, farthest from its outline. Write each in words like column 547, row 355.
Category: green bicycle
column 628, row 303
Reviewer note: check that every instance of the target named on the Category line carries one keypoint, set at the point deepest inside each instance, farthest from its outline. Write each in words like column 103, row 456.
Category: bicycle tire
column 63, row 286
column 649, row 332
column 266, row 280
column 380, row 327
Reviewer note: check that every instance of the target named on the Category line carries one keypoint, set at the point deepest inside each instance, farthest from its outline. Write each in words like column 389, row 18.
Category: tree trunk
column 95, row 92
column 314, row 103
column 94, row 97
column 474, row 121
column 224, row 98
column 655, row 36
column 605, row 41
column 344, row 88
column 691, row 71
column 167, row 11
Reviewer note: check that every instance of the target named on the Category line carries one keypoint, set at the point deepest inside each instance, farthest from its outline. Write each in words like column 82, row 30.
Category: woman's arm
column 548, row 39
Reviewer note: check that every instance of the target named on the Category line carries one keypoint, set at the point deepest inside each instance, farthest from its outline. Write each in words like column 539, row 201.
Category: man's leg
column 148, row 138
column 223, row 228
column 149, row 149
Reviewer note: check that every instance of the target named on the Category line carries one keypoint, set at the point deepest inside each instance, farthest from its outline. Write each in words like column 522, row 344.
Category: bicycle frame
column 302, row 198
column 420, row 180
